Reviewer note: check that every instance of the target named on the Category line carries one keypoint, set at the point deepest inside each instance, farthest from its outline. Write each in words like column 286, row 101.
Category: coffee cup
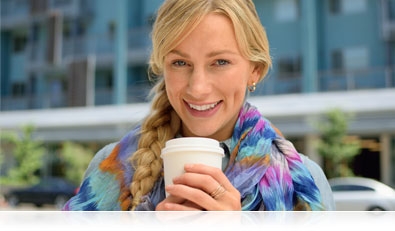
column 189, row 150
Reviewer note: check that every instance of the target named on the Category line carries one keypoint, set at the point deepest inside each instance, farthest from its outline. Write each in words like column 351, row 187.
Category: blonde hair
column 175, row 20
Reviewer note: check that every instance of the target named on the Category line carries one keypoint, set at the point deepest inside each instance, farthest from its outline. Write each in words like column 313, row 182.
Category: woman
column 205, row 54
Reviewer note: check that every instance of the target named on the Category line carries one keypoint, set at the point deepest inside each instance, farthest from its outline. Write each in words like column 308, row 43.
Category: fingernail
column 169, row 187
column 176, row 178
column 188, row 166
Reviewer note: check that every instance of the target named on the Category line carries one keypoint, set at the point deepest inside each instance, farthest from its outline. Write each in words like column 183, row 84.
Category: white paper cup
column 189, row 150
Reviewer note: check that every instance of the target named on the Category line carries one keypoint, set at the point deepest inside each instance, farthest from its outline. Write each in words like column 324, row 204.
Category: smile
column 205, row 107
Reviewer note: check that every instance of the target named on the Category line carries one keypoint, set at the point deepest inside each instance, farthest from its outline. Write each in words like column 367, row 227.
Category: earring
column 252, row 88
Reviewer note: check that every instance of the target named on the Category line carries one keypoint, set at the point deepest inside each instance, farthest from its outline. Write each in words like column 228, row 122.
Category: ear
column 255, row 75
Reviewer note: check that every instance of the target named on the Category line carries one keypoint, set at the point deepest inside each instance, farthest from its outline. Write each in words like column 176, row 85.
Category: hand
column 201, row 187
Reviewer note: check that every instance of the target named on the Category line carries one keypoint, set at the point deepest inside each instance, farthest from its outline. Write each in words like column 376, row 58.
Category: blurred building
column 76, row 69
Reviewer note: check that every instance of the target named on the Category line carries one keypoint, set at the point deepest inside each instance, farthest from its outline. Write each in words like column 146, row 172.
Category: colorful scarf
column 267, row 169
column 263, row 166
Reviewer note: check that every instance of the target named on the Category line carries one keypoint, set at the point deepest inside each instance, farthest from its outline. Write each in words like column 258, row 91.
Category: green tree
column 2, row 157
column 76, row 159
column 336, row 148
column 27, row 154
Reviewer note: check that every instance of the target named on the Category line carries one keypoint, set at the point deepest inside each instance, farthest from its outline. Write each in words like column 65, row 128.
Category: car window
column 61, row 184
column 340, row 188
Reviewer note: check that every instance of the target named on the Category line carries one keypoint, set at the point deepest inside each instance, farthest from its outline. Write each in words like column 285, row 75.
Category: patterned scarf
column 265, row 167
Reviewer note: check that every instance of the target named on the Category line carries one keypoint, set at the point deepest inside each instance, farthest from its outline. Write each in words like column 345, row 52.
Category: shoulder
column 321, row 181
column 126, row 147
column 99, row 157
column 106, row 177
column 311, row 165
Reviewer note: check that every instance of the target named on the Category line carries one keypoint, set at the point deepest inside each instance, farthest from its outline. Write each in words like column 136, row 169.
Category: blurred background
column 74, row 78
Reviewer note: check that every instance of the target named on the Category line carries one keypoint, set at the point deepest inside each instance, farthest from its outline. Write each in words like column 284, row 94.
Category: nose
column 199, row 84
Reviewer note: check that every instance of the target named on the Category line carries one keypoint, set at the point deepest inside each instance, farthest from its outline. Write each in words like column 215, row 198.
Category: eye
column 179, row 63
column 221, row 62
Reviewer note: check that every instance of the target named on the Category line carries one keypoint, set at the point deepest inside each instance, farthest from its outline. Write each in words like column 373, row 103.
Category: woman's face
column 206, row 79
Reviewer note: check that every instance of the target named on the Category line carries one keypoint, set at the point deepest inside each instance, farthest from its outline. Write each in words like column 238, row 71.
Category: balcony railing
column 356, row 80
column 12, row 9
column 387, row 10
column 98, row 45
column 374, row 78
column 16, row 11
column 345, row 80
column 135, row 94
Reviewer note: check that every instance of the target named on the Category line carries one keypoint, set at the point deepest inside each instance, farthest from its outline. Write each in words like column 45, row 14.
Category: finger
column 195, row 195
column 203, row 182
column 217, row 199
column 196, row 180
column 218, row 192
column 181, row 207
column 215, row 173
column 183, row 197
column 171, row 199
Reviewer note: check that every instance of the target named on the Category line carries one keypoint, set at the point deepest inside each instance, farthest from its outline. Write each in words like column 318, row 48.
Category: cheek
column 236, row 85
column 174, row 85
column 239, row 93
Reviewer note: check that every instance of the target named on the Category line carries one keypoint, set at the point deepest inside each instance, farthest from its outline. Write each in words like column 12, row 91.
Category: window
column 356, row 58
column 347, row 188
column 286, row 10
column 82, row 26
column 57, row 89
column 104, row 79
column 35, row 32
column 289, row 65
column 334, row 6
column 337, row 60
column 347, row 6
column 61, row 3
column 67, row 29
column 350, row 59
column 392, row 151
column 390, row 8
column 353, row 6
column 18, row 89
column 19, row 42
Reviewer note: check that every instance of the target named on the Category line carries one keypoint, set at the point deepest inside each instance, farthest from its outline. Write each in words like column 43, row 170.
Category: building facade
column 77, row 69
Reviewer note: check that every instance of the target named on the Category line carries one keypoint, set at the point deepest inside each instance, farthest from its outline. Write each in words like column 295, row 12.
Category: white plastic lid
column 192, row 144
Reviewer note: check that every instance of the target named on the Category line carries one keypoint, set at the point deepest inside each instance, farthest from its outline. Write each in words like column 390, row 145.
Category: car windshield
column 47, row 183
column 340, row 188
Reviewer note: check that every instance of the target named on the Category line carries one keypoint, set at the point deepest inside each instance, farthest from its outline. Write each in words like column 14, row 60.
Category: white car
column 362, row 194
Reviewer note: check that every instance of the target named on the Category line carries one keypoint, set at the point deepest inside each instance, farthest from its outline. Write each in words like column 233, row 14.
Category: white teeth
column 203, row 107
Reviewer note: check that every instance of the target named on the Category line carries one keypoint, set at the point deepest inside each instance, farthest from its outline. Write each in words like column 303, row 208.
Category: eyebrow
column 220, row 52
column 177, row 52
column 211, row 54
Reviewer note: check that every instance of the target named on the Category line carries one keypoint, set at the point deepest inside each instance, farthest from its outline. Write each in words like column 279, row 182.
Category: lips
column 203, row 107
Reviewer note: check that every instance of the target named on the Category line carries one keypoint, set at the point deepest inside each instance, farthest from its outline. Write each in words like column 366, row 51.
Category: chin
column 201, row 133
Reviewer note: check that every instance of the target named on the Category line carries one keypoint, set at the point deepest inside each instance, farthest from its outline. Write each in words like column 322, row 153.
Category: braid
column 155, row 131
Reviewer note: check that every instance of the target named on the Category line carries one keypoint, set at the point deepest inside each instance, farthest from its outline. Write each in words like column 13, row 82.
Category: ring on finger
column 218, row 192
